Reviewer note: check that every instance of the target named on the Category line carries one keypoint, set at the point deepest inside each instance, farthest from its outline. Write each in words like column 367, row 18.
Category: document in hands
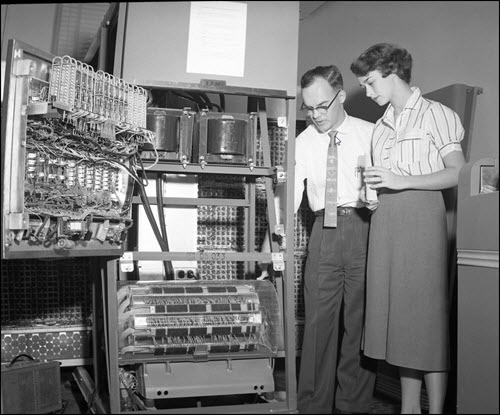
column 365, row 161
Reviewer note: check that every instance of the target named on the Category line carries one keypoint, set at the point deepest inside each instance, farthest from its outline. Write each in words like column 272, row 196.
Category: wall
column 30, row 23
column 451, row 42
column 156, row 46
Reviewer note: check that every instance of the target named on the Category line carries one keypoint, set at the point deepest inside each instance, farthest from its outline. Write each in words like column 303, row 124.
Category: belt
column 341, row 211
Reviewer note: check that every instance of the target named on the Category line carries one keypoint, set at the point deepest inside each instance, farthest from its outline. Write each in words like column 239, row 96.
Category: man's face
column 320, row 94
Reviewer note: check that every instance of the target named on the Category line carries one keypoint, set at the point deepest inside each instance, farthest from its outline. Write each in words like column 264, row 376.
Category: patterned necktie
column 330, row 219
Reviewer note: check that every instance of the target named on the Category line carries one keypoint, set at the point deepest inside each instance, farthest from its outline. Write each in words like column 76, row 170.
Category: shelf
column 192, row 168
column 19, row 250
column 215, row 88
column 149, row 358
column 190, row 202
column 200, row 256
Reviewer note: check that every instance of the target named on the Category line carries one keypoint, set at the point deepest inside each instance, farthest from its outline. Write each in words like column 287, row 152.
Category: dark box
column 31, row 387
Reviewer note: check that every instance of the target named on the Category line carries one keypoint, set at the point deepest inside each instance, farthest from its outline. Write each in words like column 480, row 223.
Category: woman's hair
column 330, row 73
column 385, row 57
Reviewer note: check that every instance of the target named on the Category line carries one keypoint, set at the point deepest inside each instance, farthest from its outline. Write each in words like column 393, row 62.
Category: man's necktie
column 330, row 219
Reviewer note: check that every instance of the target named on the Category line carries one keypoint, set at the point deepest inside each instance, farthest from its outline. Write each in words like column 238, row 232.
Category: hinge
column 127, row 262
column 278, row 262
column 280, row 176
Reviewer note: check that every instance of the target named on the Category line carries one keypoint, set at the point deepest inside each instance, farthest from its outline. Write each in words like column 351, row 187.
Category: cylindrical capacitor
column 105, row 179
column 65, row 244
column 98, row 178
column 81, row 175
column 166, row 128
column 226, row 136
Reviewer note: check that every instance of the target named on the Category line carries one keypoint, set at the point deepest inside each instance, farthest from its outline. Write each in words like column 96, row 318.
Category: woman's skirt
column 406, row 321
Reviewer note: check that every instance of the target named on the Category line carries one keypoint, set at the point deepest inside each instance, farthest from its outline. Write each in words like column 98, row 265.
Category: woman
column 416, row 153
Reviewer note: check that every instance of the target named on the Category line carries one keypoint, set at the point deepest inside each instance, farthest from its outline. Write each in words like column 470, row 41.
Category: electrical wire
column 199, row 103
column 154, row 225
column 204, row 97
column 169, row 270
column 222, row 101
column 149, row 213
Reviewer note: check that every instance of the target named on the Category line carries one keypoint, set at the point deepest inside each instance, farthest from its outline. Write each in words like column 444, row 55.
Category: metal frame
column 14, row 136
column 284, row 285
column 106, row 363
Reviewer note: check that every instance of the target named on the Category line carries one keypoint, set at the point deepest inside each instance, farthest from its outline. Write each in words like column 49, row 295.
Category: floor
column 74, row 403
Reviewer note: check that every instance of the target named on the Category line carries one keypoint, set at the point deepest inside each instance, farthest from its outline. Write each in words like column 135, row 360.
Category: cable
column 204, row 97
column 169, row 270
column 185, row 95
column 149, row 213
column 222, row 100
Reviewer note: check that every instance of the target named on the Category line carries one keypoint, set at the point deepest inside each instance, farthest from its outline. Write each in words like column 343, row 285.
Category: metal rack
column 281, row 256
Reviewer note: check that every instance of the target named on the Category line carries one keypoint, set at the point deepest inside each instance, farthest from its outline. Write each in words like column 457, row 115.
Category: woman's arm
column 378, row 177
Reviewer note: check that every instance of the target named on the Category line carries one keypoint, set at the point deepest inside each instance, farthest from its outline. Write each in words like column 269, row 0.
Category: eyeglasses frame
column 324, row 108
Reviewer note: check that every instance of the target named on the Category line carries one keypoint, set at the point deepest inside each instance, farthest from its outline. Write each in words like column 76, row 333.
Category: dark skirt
column 407, row 297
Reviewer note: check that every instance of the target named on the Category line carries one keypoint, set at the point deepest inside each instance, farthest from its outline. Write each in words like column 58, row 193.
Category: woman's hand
column 378, row 177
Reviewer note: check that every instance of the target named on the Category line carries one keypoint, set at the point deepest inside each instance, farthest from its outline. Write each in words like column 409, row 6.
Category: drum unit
column 197, row 338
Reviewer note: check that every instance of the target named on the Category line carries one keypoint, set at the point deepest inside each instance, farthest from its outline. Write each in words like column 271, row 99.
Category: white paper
column 217, row 36
column 365, row 161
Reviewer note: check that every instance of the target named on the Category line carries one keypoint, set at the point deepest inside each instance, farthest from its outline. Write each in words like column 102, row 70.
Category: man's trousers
column 331, row 369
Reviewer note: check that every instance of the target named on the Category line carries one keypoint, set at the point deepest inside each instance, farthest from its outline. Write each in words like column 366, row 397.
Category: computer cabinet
column 171, row 371
column 152, row 44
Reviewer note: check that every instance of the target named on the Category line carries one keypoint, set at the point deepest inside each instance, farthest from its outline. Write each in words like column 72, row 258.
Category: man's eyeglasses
column 321, row 109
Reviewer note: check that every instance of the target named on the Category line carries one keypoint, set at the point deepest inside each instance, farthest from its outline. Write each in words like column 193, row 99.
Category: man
column 334, row 280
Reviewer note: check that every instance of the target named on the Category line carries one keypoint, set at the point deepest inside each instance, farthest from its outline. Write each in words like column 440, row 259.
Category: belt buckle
column 343, row 211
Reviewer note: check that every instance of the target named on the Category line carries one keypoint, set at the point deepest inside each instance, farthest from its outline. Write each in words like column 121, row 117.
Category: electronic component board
column 197, row 318
column 71, row 136
column 196, row 338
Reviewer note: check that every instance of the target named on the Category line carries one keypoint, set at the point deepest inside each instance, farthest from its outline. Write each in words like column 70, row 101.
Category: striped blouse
column 424, row 133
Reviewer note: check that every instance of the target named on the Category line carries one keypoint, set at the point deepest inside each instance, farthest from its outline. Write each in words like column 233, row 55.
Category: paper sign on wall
column 217, row 36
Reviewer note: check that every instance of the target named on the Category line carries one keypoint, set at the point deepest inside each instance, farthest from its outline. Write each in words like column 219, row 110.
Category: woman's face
column 376, row 87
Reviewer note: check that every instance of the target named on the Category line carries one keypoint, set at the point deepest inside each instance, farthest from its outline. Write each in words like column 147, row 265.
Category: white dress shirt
column 311, row 151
